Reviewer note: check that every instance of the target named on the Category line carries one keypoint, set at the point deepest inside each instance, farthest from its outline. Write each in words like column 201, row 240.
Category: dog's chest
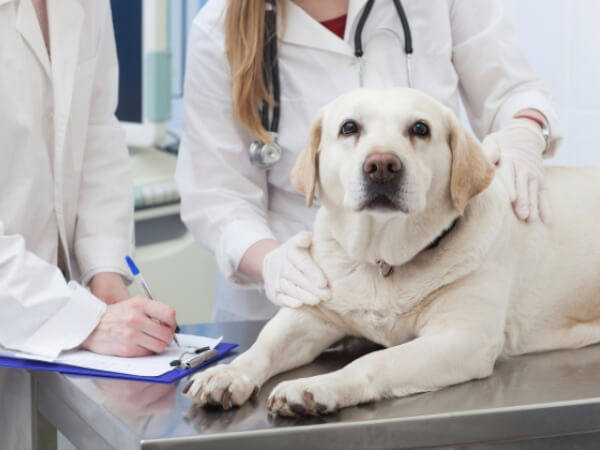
column 366, row 304
column 385, row 329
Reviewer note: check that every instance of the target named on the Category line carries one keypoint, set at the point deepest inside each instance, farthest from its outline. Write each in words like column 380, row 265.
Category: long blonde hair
column 244, row 42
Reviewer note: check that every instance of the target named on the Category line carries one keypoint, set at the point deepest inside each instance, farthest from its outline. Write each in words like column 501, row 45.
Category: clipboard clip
column 198, row 356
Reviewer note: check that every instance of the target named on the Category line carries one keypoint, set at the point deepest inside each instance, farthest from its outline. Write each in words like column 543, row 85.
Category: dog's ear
column 306, row 170
column 471, row 171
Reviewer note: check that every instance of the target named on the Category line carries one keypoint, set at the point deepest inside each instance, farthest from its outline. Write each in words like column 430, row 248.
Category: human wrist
column 533, row 115
column 109, row 287
column 251, row 263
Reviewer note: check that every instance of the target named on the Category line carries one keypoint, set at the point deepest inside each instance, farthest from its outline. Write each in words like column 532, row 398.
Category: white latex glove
column 517, row 151
column 291, row 276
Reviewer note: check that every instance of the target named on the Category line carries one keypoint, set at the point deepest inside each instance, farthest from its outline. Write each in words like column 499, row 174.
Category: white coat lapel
column 301, row 29
column 29, row 27
column 65, row 19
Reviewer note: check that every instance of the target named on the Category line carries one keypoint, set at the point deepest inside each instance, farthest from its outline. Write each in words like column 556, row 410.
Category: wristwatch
column 546, row 134
column 543, row 126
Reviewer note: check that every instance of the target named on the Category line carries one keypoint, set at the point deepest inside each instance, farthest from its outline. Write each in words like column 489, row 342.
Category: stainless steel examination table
column 542, row 401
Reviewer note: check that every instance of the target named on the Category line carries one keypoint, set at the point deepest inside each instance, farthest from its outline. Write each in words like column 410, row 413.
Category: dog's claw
column 286, row 411
column 187, row 387
column 280, row 402
column 226, row 400
column 254, row 394
column 308, row 399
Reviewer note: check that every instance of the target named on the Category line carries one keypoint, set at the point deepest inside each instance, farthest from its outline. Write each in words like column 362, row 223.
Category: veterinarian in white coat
column 66, row 205
column 242, row 212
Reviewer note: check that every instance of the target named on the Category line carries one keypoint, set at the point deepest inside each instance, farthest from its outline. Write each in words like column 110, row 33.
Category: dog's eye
column 349, row 128
column 420, row 129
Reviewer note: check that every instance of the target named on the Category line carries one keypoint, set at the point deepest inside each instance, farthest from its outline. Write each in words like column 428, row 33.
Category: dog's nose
column 382, row 167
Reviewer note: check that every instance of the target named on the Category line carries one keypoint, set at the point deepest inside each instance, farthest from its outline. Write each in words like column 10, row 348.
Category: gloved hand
column 291, row 276
column 517, row 151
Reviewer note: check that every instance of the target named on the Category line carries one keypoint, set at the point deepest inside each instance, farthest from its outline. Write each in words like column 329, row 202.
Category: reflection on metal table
column 545, row 401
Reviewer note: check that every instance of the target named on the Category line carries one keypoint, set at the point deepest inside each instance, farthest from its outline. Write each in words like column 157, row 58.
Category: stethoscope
column 265, row 155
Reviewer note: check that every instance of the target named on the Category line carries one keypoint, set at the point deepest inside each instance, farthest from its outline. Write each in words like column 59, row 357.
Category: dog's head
column 390, row 151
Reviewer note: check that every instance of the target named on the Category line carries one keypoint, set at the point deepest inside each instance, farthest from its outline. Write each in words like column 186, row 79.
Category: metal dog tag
column 385, row 269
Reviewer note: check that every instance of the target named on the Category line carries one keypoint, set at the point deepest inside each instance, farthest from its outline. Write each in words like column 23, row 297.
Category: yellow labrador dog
column 424, row 256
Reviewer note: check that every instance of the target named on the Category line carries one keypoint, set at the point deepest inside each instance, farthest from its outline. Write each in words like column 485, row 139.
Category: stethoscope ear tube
column 358, row 48
column 408, row 46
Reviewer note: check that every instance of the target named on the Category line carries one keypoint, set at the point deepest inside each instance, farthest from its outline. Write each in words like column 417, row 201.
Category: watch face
column 546, row 135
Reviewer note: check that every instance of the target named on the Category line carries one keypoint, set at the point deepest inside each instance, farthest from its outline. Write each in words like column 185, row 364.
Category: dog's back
column 556, row 289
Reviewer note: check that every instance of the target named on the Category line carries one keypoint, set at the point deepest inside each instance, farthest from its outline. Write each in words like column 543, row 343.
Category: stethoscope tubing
column 271, row 76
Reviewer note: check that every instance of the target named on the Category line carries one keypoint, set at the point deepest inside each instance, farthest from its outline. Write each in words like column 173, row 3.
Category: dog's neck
column 367, row 237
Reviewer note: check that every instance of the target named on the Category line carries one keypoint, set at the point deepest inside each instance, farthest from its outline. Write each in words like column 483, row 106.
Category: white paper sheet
column 148, row 366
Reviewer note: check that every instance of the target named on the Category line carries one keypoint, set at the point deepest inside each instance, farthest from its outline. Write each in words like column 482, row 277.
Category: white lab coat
column 64, row 172
column 461, row 47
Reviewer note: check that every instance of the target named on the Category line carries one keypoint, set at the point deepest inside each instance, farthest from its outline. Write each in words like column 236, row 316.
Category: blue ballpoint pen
column 140, row 279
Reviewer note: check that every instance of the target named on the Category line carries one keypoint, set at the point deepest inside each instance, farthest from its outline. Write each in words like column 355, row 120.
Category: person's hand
column 517, row 150
column 291, row 276
column 109, row 287
column 134, row 327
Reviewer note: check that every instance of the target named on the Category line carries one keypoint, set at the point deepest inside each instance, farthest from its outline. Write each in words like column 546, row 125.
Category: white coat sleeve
column 496, row 80
column 223, row 196
column 104, row 231
column 40, row 312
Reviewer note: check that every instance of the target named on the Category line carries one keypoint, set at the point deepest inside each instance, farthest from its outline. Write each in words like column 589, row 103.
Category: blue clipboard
column 169, row 377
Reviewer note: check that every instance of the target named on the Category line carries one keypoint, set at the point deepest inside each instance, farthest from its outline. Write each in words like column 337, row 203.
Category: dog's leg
column 427, row 363
column 453, row 346
column 570, row 333
column 292, row 338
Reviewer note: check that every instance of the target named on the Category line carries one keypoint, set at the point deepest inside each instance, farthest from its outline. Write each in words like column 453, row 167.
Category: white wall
column 562, row 41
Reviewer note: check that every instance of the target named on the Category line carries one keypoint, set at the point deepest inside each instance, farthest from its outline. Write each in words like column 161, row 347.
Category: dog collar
column 386, row 269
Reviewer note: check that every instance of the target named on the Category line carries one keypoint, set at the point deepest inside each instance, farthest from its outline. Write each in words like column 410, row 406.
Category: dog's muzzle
column 382, row 177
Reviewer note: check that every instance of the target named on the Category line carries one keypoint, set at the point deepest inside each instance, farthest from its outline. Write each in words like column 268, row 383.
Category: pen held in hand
column 140, row 279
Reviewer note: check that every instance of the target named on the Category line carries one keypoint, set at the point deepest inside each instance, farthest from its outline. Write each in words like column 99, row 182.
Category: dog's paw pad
column 298, row 408
column 222, row 385
column 324, row 409
column 298, row 398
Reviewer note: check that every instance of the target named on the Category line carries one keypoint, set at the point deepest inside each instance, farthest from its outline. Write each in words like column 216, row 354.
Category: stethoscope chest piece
column 265, row 155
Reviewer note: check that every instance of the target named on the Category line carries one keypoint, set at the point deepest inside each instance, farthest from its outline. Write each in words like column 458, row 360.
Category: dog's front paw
column 305, row 396
column 222, row 385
